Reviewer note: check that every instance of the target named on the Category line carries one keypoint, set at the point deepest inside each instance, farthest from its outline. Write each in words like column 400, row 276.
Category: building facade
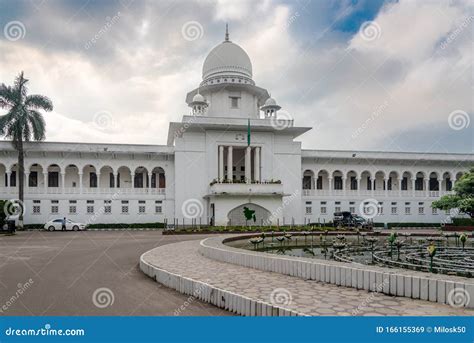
column 233, row 160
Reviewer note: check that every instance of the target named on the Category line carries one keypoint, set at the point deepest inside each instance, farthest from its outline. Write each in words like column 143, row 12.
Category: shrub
column 395, row 225
column 2, row 211
column 463, row 221
column 127, row 226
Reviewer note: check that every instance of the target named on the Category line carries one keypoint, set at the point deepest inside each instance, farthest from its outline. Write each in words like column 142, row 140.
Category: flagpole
column 248, row 132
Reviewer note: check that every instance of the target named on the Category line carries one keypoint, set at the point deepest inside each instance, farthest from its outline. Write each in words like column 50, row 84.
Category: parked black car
column 346, row 218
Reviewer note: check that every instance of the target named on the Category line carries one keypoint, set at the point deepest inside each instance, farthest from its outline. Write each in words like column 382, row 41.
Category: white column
column 440, row 184
column 45, row 181
column 330, row 185
column 149, row 180
column 80, row 183
column 385, row 183
column 248, row 174
column 400, row 186
column 344, row 179
column 372, row 185
column 358, row 185
column 221, row 163
column 257, row 164
column 98, row 181
column 427, row 186
column 63, row 181
column 115, row 179
column 229, row 163
column 132, row 176
column 7, row 181
column 27, row 177
column 413, row 186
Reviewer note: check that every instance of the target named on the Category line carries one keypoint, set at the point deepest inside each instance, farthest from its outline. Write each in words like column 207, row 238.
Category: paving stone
column 307, row 297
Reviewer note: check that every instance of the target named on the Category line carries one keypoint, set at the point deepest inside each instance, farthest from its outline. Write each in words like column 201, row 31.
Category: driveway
column 88, row 273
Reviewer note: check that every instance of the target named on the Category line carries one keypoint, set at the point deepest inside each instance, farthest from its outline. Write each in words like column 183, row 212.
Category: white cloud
column 142, row 68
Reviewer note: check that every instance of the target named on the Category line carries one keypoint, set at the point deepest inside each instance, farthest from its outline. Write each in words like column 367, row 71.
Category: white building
column 208, row 172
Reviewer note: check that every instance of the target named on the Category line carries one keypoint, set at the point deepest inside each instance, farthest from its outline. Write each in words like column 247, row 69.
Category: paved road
column 66, row 268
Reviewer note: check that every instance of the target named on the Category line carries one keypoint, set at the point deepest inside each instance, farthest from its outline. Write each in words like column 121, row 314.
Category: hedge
column 463, row 222
column 127, row 226
column 107, row 226
column 395, row 225
column 33, row 226
column 250, row 229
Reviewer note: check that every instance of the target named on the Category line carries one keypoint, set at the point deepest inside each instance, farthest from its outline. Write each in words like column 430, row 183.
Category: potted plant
column 399, row 244
column 372, row 241
column 463, row 239
column 391, row 241
column 431, row 253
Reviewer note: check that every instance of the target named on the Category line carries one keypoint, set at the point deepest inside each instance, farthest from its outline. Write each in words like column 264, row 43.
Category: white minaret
column 270, row 108
column 199, row 105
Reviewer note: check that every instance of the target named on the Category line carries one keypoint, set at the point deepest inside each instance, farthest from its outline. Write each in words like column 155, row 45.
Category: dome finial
column 226, row 32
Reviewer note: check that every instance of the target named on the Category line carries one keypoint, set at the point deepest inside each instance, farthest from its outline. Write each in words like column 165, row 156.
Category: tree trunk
column 21, row 182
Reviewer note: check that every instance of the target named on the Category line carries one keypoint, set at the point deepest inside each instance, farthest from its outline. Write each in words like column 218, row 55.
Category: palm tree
column 22, row 122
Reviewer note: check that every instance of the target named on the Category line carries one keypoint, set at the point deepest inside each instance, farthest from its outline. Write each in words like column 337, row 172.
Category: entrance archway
column 249, row 214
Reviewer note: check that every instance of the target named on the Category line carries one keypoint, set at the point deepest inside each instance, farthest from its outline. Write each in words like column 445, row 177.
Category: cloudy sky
column 367, row 75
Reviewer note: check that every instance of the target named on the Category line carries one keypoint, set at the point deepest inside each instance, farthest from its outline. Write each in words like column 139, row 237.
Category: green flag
column 248, row 133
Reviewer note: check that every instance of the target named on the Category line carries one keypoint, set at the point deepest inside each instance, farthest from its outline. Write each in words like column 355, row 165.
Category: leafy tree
column 463, row 197
column 22, row 122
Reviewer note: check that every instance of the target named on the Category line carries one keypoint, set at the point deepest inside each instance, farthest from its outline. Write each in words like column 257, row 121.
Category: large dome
column 227, row 59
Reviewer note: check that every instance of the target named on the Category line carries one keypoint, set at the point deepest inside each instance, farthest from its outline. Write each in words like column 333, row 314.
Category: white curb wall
column 395, row 282
column 229, row 301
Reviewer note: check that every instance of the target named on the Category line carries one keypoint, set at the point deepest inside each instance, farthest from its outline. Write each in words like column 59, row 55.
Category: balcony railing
column 85, row 190
column 244, row 188
column 374, row 193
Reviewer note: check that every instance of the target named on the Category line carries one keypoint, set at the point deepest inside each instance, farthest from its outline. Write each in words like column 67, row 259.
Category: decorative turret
column 199, row 104
column 270, row 108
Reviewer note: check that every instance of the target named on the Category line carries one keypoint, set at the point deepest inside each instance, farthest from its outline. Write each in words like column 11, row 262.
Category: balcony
column 270, row 188
column 75, row 190
column 374, row 193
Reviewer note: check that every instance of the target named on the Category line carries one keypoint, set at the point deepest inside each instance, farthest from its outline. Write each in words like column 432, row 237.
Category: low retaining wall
column 397, row 282
column 229, row 301
column 454, row 228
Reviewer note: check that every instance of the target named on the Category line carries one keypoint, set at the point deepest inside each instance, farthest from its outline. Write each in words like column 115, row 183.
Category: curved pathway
column 304, row 297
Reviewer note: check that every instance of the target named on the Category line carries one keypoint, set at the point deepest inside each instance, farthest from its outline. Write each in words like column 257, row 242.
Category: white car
column 57, row 225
